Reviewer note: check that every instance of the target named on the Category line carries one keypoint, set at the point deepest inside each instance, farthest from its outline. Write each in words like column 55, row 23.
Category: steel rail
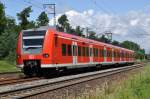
column 61, row 82
column 16, row 80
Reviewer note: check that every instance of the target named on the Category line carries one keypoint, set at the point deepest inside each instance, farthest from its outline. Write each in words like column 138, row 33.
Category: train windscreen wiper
column 31, row 48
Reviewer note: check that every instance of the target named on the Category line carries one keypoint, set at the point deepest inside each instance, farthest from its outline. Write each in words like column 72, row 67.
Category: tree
column 2, row 18
column 116, row 43
column 130, row 45
column 63, row 24
column 42, row 19
column 8, row 35
column 139, row 52
column 104, row 39
column 32, row 24
column 91, row 35
column 8, row 40
column 79, row 31
column 23, row 17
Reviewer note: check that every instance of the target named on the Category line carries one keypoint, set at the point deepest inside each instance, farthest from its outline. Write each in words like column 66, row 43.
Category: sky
column 126, row 19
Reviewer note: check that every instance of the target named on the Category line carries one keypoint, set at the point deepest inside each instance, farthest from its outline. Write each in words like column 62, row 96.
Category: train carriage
column 46, row 48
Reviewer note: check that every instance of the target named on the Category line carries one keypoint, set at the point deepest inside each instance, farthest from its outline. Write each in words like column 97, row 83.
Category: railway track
column 17, row 80
column 9, row 78
column 33, row 88
column 6, row 76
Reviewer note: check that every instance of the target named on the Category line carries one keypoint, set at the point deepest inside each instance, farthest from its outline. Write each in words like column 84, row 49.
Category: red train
column 46, row 48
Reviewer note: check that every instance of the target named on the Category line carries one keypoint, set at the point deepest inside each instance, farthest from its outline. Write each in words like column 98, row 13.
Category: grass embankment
column 134, row 87
column 7, row 67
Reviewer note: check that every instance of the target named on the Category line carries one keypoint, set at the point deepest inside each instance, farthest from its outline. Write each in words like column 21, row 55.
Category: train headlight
column 45, row 55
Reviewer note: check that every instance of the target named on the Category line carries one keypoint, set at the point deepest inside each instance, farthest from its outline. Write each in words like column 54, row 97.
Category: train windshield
column 33, row 41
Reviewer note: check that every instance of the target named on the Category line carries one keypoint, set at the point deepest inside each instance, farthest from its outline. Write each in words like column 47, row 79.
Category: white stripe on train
column 78, row 65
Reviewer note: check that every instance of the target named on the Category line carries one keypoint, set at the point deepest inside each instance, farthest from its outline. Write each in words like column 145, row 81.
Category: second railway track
column 17, row 80
column 29, row 89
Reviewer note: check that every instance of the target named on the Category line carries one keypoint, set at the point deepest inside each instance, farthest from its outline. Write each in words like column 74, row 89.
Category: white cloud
column 134, row 22
column 134, row 26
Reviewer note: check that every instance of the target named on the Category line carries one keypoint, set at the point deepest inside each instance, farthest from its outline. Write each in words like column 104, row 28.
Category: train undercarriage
column 33, row 68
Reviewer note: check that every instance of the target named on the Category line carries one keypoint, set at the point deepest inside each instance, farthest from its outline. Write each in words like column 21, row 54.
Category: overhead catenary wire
column 32, row 4
column 100, row 7
column 108, row 7
column 110, row 11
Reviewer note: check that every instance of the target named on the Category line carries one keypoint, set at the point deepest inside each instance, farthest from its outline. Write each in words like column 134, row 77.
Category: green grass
column 7, row 67
column 134, row 87
column 137, row 87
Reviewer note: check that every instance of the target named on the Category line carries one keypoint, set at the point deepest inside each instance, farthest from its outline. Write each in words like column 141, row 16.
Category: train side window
column 130, row 55
column 122, row 54
column 111, row 53
column 108, row 53
column 103, row 52
column 99, row 52
column 114, row 54
column 79, row 51
column 69, row 50
column 83, row 51
column 63, row 49
column 119, row 55
column 87, row 51
column 96, row 52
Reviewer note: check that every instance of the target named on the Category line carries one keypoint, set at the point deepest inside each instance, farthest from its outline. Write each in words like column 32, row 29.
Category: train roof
column 89, row 40
column 76, row 37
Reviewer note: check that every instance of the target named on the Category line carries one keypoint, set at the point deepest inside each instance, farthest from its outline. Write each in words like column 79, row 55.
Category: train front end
column 31, row 52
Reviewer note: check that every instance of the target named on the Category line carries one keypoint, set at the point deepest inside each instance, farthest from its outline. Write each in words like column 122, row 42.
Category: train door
column 120, row 56
column 105, row 54
column 74, row 50
column 91, row 53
